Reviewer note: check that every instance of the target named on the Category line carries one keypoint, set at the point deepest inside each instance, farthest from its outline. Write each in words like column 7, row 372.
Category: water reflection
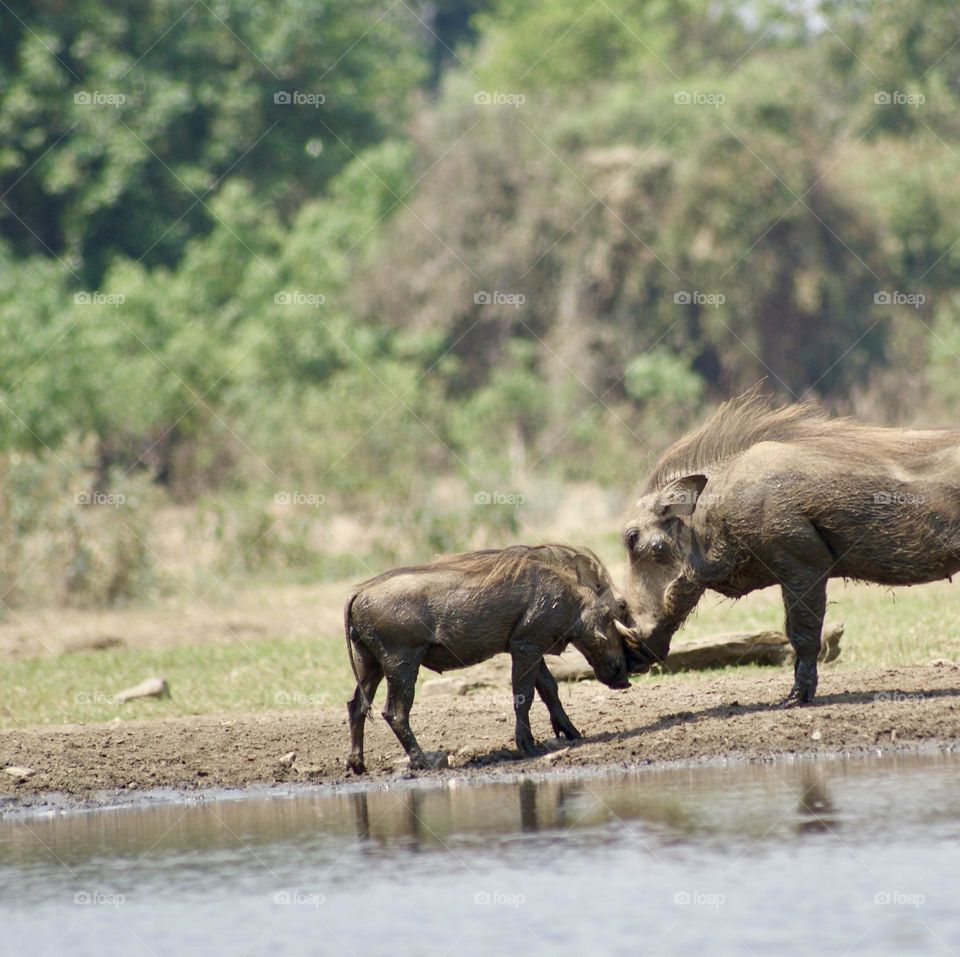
column 361, row 812
column 527, row 793
column 816, row 809
column 520, row 864
column 747, row 803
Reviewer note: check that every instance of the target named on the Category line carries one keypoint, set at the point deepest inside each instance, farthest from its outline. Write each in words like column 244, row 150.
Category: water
column 843, row 857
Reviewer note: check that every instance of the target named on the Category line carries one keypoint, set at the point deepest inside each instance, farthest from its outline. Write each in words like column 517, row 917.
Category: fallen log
column 695, row 654
column 714, row 651
column 746, row 648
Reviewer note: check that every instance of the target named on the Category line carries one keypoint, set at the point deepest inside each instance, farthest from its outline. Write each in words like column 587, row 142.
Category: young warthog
column 759, row 496
column 528, row 601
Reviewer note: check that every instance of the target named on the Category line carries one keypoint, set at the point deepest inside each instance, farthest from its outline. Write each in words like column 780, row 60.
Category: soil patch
column 653, row 722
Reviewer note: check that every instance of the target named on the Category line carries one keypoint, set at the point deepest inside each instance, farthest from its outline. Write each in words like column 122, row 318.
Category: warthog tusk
column 625, row 631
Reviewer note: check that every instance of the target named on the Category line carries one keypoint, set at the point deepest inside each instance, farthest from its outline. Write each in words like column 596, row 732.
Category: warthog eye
column 632, row 537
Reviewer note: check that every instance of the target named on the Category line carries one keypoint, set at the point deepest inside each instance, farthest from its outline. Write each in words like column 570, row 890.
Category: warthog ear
column 588, row 574
column 680, row 496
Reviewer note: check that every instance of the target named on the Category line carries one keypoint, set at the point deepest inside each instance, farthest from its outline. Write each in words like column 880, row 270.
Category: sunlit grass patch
column 884, row 628
column 250, row 675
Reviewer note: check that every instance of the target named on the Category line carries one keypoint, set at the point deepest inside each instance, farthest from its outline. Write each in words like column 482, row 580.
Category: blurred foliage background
column 306, row 288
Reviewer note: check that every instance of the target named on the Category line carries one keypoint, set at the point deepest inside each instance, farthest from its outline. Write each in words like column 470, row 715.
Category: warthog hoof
column 530, row 749
column 798, row 696
column 356, row 765
column 567, row 731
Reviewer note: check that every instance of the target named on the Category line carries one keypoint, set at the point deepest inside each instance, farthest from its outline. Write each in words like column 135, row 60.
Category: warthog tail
column 351, row 635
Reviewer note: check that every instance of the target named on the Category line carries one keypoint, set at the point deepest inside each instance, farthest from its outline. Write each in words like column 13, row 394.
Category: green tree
column 118, row 122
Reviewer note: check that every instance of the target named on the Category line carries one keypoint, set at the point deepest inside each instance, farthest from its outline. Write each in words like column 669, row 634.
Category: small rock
column 816, row 736
column 21, row 774
column 288, row 759
column 151, row 688
column 942, row 663
column 553, row 755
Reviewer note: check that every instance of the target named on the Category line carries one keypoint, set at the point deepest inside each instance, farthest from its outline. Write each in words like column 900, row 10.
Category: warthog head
column 662, row 586
column 605, row 618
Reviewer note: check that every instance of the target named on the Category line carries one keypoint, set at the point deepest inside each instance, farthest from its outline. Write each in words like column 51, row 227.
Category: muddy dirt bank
column 654, row 722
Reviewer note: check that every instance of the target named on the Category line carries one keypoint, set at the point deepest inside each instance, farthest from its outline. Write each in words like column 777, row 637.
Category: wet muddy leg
column 526, row 668
column 549, row 693
column 805, row 608
column 369, row 675
column 401, row 686
column 400, row 690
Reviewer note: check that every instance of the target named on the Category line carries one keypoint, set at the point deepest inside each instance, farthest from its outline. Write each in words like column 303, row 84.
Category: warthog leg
column 525, row 672
column 805, row 606
column 369, row 675
column 549, row 693
column 401, row 685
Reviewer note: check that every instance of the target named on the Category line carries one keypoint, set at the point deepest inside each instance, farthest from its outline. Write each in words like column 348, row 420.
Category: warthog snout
column 613, row 670
column 640, row 655
column 620, row 678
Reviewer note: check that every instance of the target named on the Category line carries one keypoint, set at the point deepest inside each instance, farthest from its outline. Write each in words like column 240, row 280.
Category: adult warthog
column 461, row 610
column 760, row 496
